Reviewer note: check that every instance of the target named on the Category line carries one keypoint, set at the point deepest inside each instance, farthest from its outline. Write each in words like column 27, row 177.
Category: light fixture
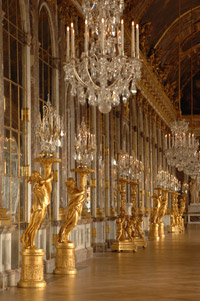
column 181, row 145
column 85, row 145
column 103, row 74
column 49, row 130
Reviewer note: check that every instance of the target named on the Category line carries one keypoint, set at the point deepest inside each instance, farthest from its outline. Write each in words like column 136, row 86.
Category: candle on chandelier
column 133, row 40
column 137, row 42
column 189, row 139
column 119, row 41
column 72, row 41
column 67, row 53
column 169, row 141
column 86, row 37
column 166, row 141
column 102, row 35
column 122, row 36
column 192, row 139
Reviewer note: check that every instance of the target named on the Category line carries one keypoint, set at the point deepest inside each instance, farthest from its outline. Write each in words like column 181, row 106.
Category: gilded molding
column 107, row 151
column 153, row 92
column 93, row 183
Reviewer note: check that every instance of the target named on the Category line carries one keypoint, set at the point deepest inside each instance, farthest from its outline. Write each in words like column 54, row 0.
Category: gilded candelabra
column 174, row 214
column 136, row 217
column 84, row 151
column 153, row 232
column 50, row 133
column 125, row 224
column 162, row 212
column 181, row 212
column 65, row 258
column 49, row 130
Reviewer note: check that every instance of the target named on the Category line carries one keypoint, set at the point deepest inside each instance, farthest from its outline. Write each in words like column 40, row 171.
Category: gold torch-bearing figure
column 85, row 146
column 76, row 198
column 161, row 213
column 153, row 232
column 181, row 212
column 65, row 258
column 124, row 240
column 32, row 257
column 41, row 199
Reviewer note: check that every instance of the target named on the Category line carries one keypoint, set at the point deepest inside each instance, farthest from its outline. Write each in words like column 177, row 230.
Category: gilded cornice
column 153, row 91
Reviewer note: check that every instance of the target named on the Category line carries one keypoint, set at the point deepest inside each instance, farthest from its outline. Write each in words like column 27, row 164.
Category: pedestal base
column 5, row 219
column 161, row 231
column 153, row 232
column 140, row 242
column 32, row 274
column 65, row 259
column 173, row 229
column 125, row 245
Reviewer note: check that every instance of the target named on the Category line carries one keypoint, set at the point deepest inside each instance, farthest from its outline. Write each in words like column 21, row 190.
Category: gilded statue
column 181, row 211
column 155, row 209
column 120, row 221
column 41, row 199
column 162, row 210
column 172, row 214
column 129, row 227
column 76, row 199
column 139, row 226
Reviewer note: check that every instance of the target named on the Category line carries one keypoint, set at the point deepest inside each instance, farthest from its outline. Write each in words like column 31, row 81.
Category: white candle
column 119, row 42
column 122, row 36
column 166, row 141
column 189, row 138
column 86, row 37
column 192, row 139
column 169, row 141
column 133, row 40
column 67, row 54
column 102, row 35
column 72, row 41
column 137, row 41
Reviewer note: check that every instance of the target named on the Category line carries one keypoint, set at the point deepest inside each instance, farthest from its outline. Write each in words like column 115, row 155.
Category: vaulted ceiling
column 165, row 25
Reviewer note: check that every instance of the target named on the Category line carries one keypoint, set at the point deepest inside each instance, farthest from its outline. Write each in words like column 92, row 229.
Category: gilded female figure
column 76, row 198
column 41, row 199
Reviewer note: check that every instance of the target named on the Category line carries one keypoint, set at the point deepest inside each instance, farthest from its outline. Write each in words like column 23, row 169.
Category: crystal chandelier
column 129, row 167
column 49, row 130
column 185, row 188
column 180, row 146
column 123, row 164
column 191, row 167
column 165, row 180
column 103, row 74
column 136, row 169
column 85, row 146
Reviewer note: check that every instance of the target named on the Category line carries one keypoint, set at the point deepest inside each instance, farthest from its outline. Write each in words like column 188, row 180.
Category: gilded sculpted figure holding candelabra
column 85, row 146
column 181, row 211
column 41, row 199
column 130, row 171
column 161, row 214
column 49, row 132
column 76, row 198
column 153, row 232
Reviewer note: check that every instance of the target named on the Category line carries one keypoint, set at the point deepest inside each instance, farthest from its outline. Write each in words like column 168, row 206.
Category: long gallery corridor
column 167, row 269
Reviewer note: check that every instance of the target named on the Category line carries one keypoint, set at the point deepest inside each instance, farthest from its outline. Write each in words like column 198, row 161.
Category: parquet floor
column 168, row 269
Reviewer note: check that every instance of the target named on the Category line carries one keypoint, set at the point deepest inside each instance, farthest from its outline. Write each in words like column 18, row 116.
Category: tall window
column 45, row 57
column 14, row 101
column 46, row 69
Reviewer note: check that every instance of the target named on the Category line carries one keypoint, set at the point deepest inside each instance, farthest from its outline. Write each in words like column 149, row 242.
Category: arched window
column 14, row 102
column 45, row 57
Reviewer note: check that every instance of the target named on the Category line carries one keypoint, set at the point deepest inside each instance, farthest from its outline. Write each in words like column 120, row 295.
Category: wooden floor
column 168, row 269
